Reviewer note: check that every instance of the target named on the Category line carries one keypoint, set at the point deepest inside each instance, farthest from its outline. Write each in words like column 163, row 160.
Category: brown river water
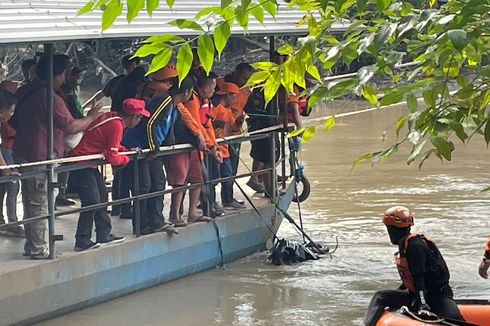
column 447, row 202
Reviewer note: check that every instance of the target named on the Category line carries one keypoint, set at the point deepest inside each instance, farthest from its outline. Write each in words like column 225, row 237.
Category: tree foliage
column 449, row 44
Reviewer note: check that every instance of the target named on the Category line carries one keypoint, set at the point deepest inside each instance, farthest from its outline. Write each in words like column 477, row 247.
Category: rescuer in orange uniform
column 485, row 263
column 422, row 269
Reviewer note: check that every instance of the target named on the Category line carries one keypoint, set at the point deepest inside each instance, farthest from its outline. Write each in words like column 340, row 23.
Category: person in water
column 485, row 263
column 423, row 271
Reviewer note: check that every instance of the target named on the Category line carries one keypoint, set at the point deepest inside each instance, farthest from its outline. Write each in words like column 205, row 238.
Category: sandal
column 178, row 223
column 167, row 228
column 201, row 218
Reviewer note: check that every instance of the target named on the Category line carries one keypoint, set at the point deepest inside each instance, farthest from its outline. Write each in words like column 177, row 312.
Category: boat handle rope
column 440, row 320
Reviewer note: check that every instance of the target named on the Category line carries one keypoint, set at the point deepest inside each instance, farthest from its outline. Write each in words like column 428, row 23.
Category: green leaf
column 383, row 34
column 241, row 16
column 329, row 123
column 208, row 10
column 148, row 49
column 205, row 51
column 412, row 102
column 170, row 3
column 443, row 146
column 112, row 10
column 364, row 158
column 184, row 61
column 486, row 132
column 286, row 49
column 163, row 38
column 257, row 78
column 330, row 39
column 134, row 7
column 313, row 28
column 271, row 86
column 271, row 7
column 221, row 35
column 88, row 7
column 385, row 154
column 313, row 71
column 225, row 3
column 295, row 132
column 258, row 13
column 369, row 93
column 458, row 38
column 425, row 157
column 308, row 133
column 245, row 3
column 151, row 5
column 382, row 4
column 415, row 152
column 365, row 73
column 160, row 60
column 391, row 98
column 264, row 65
column 186, row 24
column 399, row 124
column 341, row 6
column 339, row 88
column 430, row 97
column 361, row 5
column 319, row 94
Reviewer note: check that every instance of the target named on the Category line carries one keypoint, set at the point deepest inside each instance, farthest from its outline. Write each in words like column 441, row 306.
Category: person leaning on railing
column 31, row 143
column 150, row 133
column 103, row 136
column 485, row 263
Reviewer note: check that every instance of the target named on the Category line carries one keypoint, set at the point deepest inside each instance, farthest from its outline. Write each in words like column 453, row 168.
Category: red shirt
column 31, row 140
column 8, row 134
column 103, row 139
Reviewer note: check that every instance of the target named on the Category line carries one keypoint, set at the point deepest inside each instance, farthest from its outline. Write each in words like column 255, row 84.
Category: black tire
column 305, row 193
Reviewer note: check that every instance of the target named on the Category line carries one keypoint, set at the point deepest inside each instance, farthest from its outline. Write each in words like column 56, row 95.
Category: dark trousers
column 120, row 189
column 226, row 186
column 441, row 305
column 208, row 195
column 90, row 186
column 151, row 179
column 234, row 156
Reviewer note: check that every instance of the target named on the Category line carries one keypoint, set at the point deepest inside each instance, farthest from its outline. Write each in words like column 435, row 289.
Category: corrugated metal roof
column 23, row 21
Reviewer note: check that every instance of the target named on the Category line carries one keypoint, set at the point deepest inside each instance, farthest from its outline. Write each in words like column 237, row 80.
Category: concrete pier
column 31, row 291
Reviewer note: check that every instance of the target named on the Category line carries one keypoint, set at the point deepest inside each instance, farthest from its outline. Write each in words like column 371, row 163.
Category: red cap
column 227, row 88
column 135, row 106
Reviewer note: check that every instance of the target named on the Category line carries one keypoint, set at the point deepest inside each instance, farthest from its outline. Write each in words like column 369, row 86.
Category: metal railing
column 55, row 166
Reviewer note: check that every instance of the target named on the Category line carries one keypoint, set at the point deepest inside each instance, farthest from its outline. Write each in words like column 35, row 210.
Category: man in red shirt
column 30, row 143
column 102, row 136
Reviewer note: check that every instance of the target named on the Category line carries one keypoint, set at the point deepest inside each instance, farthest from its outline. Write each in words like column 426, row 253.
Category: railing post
column 136, row 192
column 207, row 188
column 274, row 170
column 48, row 52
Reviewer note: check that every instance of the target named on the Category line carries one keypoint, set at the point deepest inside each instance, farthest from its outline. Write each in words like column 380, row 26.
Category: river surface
column 447, row 202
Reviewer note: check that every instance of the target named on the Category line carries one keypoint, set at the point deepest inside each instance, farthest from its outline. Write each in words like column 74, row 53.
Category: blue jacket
column 151, row 132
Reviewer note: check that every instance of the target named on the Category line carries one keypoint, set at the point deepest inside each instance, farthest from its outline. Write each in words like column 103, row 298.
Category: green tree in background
column 448, row 44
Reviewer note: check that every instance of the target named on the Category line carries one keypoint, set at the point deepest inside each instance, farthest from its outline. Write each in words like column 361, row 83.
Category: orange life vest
column 401, row 262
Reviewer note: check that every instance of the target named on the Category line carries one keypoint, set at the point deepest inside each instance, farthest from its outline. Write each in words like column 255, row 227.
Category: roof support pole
column 278, row 112
column 48, row 52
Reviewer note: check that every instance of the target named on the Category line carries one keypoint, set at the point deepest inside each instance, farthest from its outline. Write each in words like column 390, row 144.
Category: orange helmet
column 167, row 72
column 398, row 216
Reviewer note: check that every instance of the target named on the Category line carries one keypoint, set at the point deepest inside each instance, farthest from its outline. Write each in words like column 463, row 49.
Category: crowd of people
column 146, row 112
